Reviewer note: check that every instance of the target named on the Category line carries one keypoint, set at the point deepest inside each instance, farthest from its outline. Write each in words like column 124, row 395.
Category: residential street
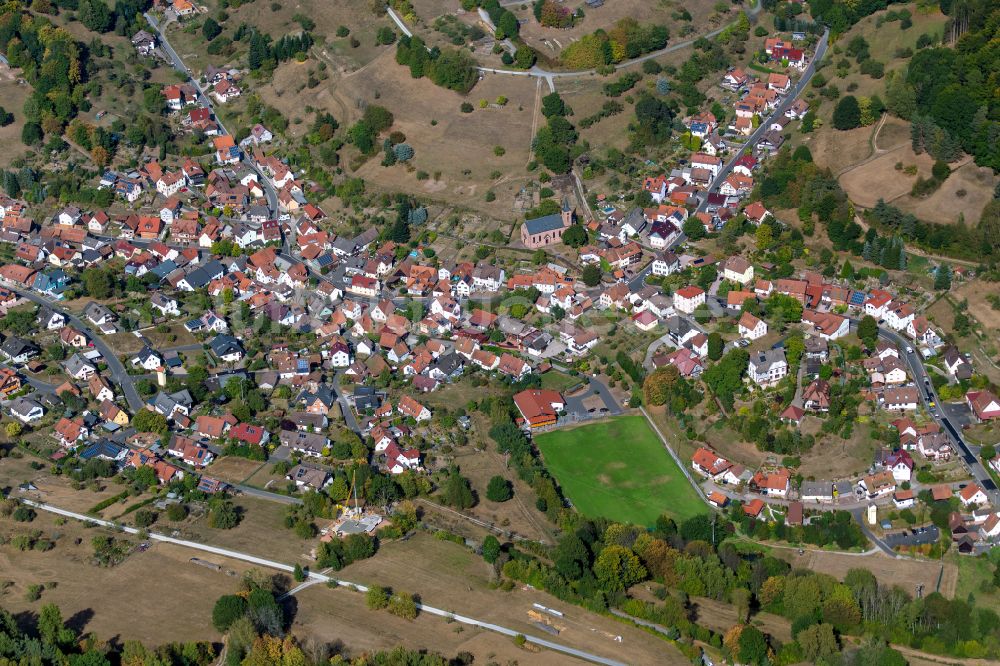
column 178, row 63
column 779, row 111
column 118, row 374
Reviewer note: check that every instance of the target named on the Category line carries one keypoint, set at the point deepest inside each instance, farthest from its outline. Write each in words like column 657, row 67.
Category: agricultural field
column 618, row 469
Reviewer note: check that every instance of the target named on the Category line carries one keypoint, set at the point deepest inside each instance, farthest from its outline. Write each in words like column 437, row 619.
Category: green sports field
column 618, row 469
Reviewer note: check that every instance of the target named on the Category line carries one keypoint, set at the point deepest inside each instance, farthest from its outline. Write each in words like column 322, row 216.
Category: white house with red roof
column 984, row 404
column 750, row 327
column 973, row 494
column 687, row 299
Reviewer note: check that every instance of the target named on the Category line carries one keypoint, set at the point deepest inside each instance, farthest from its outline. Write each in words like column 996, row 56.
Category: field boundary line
column 323, row 578
column 673, row 454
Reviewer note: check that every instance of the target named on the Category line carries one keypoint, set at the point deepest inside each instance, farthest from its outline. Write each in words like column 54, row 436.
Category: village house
column 539, row 407
column 766, row 368
column 687, row 299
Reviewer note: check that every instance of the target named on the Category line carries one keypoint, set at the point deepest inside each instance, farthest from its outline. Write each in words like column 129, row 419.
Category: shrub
column 498, row 489
column 377, row 598
column 403, row 605
column 466, row 107
column 144, row 518
column 227, row 610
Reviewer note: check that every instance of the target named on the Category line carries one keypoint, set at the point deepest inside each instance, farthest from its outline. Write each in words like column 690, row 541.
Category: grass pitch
column 618, row 469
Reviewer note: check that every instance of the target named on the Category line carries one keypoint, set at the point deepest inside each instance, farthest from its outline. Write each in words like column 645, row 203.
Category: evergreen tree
column 942, row 278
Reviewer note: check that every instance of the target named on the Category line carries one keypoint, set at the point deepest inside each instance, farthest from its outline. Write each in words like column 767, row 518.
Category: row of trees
column 554, row 143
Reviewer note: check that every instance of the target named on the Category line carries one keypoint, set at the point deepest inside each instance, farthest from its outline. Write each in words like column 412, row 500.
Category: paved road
column 323, row 578
column 118, row 374
column 267, row 495
column 778, row 112
column 348, row 411
column 269, row 192
column 549, row 75
column 926, row 388
column 859, row 518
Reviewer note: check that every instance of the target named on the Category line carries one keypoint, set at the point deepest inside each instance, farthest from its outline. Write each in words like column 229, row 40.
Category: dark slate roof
column 540, row 225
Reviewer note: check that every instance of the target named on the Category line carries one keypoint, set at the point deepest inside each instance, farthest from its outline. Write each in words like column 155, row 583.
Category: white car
column 909, row 349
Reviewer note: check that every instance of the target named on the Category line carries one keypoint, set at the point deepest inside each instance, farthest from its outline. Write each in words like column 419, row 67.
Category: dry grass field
column 124, row 602
column 340, row 616
column 720, row 616
column 234, row 470
column 449, row 576
column 837, row 150
column 187, row 40
column 832, row 459
column 906, row 573
column 551, row 41
column 13, row 94
column 518, row 514
column 879, row 179
column 261, row 532
column 56, row 489
column 976, row 292
column 964, row 195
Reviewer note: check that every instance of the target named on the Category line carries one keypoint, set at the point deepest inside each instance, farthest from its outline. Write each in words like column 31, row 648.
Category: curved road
column 538, row 72
column 175, row 60
column 322, row 578
column 119, row 375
